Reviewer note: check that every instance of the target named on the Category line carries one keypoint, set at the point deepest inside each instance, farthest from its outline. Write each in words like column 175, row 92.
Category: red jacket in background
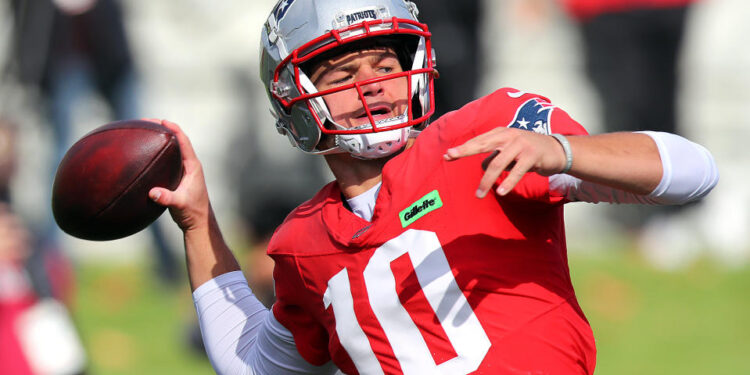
column 585, row 9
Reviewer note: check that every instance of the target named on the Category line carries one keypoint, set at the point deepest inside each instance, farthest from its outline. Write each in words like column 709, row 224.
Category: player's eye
column 388, row 64
column 339, row 79
column 342, row 80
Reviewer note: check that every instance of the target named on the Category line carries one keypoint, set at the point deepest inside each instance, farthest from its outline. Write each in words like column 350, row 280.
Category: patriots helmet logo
column 533, row 115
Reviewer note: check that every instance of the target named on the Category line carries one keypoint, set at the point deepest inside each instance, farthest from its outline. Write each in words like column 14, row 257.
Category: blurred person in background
column 631, row 51
column 455, row 27
column 16, row 293
column 68, row 50
column 37, row 335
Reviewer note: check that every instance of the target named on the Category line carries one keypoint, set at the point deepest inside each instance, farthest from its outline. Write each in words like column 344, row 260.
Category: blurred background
column 665, row 291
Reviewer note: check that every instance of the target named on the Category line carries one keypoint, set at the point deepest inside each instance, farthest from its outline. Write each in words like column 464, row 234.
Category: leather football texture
column 100, row 191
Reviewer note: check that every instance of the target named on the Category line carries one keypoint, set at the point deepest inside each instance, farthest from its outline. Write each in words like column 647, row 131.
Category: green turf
column 131, row 324
column 694, row 321
column 646, row 321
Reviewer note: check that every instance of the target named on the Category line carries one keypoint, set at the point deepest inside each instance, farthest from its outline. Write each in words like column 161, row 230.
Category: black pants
column 631, row 58
column 455, row 38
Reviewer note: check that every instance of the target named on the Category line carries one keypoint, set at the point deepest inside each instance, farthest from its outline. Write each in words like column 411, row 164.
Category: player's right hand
column 188, row 204
column 513, row 150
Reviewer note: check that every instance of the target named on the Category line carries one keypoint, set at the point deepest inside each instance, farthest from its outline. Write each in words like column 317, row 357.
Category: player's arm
column 688, row 173
column 625, row 161
column 242, row 336
column 206, row 251
column 629, row 162
column 238, row 331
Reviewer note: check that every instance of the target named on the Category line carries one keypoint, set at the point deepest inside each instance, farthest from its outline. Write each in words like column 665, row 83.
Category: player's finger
column 482, row 143
column 149, row 119
column 494, row 168
column 167, row 198
column 504, row 160
column 517, row 172
column 486, row 162
column 186, row 147
column 471, row 147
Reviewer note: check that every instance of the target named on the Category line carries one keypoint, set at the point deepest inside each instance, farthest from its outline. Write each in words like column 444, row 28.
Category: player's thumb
column 161, row 196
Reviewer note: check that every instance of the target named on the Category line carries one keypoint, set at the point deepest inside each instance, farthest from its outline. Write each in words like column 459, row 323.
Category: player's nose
column 367, row 73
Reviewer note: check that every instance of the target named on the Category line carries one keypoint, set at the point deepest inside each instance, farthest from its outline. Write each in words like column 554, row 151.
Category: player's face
column 385, row 99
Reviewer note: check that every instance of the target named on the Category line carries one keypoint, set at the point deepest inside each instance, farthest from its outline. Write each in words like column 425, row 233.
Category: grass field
column 649, row 322
column 131, row 324
column 695, row 321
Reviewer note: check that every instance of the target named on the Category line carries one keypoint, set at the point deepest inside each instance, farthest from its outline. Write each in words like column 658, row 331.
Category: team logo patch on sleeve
column 533, row 115
column 423, row 206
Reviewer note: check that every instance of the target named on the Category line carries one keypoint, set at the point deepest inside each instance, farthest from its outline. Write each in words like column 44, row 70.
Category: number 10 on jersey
column 467, row 337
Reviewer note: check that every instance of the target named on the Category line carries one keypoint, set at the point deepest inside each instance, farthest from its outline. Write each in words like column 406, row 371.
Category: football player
column 438, row 249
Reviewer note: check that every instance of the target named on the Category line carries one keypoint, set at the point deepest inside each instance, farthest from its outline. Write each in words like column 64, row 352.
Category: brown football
column 101, row 187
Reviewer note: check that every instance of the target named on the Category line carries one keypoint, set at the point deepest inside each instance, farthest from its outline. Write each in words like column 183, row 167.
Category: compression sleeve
column 241, row 336
column 689, row 173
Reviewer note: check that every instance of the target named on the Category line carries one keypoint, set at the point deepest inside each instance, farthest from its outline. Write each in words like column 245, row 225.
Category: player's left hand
column 517, row 151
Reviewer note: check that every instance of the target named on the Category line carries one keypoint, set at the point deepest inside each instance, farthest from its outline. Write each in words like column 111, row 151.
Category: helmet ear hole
column 416, row 106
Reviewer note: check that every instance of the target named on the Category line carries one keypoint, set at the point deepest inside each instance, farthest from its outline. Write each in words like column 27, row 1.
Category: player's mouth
column 378, row 112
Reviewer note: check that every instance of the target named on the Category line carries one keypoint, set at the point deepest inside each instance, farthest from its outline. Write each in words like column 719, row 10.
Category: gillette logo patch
column 421, row 207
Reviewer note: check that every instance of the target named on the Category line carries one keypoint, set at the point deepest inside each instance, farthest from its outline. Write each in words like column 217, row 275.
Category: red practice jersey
column 440, row 282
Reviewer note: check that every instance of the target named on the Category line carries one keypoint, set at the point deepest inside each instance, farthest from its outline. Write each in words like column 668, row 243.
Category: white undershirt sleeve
column 241, row 336
column 689, row 173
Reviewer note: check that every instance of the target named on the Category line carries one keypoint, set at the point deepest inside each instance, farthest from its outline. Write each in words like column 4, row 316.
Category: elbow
column 688, row 183
column 712, row 176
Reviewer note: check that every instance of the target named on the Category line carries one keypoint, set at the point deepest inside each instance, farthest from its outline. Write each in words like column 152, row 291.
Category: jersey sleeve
column 506, row 107
column 512, row 109
column 562, row 123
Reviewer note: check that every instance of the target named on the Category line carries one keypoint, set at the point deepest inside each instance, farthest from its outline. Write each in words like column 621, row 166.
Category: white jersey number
column 455, row 314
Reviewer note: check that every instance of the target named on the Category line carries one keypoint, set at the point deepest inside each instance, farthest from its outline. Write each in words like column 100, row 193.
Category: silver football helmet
column 299, row 31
